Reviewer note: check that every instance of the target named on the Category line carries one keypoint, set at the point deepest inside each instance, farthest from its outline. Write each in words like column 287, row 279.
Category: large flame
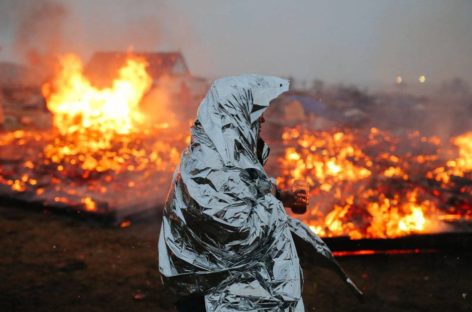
column 78, row 106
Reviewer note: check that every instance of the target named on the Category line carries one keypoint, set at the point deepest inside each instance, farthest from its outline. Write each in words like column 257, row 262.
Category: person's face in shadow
column 261, row 121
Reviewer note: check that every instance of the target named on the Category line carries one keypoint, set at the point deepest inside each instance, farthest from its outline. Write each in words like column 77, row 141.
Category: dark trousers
column 194, row 303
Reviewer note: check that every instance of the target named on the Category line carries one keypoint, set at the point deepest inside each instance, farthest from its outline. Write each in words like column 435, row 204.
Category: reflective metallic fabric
column 224, row 234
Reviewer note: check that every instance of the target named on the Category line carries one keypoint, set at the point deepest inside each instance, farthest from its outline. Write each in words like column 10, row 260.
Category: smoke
column 42, row 29
column 38, row 33
column 32, row 33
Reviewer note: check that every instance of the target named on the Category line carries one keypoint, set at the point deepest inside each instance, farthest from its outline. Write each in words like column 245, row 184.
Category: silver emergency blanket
column 224, row 234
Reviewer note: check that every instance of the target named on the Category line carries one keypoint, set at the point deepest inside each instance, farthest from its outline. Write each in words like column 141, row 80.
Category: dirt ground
column 57, row 263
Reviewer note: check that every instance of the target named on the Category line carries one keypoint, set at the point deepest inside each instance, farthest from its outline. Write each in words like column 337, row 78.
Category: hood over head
column 230, row 112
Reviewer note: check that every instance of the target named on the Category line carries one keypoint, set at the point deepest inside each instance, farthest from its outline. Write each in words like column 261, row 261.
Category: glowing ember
column 89, row 204
column 125, row 223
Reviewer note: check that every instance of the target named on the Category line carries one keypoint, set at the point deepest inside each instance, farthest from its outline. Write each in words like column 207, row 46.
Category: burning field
column 106, row 156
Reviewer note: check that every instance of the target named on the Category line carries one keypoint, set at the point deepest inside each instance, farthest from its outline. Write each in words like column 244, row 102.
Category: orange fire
column 458, row 166
column 79, row 107
column 103, row 155
column 89, row 119
column 363, row 187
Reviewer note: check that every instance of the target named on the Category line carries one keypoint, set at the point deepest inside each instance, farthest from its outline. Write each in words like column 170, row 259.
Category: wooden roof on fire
column 104, row 66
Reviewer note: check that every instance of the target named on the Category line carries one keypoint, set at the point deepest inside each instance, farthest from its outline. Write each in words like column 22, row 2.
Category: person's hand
column 296, row 198
column 300, row 191
column 301, row 198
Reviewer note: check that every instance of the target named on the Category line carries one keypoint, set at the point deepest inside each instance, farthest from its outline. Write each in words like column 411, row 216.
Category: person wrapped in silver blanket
column 226, row 242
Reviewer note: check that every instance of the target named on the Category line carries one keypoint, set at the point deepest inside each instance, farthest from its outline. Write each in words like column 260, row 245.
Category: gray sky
column 365, row 42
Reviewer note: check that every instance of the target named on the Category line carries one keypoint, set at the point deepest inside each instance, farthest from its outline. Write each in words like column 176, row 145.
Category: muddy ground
column 58, row 263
